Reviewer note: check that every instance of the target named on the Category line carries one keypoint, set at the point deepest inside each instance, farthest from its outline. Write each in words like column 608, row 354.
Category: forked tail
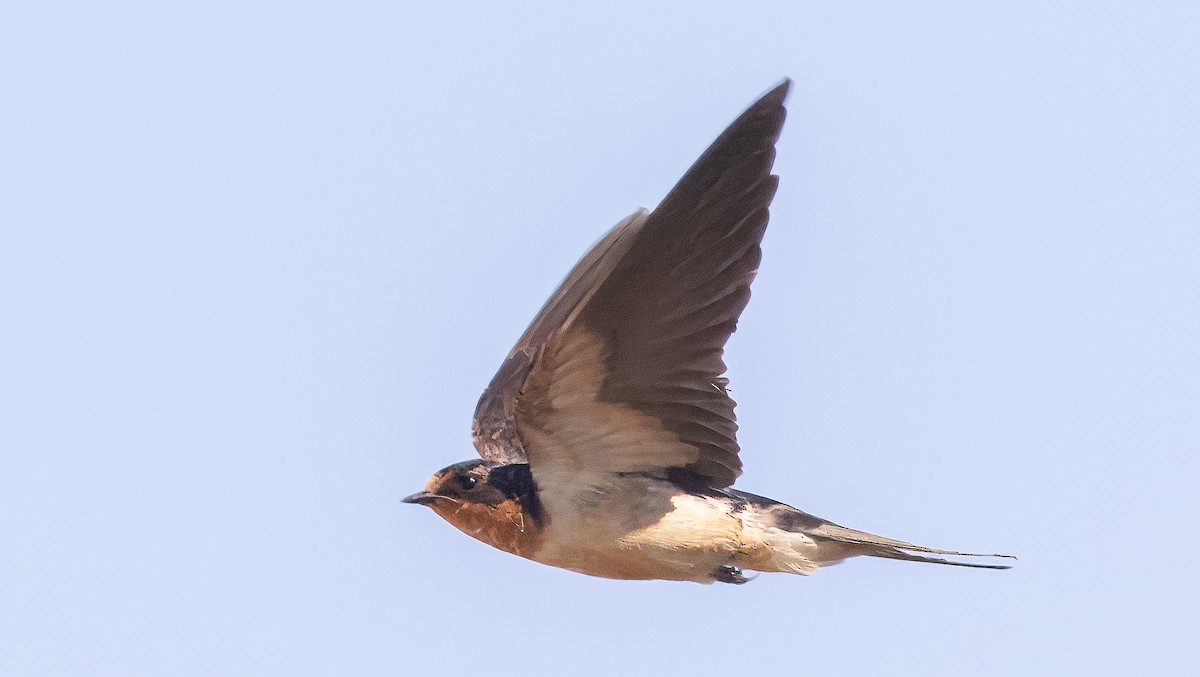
column 818, row 542
column 890, row 548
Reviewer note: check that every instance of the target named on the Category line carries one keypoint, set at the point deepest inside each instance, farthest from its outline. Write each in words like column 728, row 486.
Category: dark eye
column 467, row 482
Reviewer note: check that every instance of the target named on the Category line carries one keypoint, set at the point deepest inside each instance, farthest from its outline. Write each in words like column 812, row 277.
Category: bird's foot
column 727, row 573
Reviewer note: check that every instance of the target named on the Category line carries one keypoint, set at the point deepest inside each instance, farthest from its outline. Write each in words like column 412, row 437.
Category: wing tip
column 780, row 91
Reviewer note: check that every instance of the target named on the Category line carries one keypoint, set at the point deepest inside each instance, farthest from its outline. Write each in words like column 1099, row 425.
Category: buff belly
column 680, row 537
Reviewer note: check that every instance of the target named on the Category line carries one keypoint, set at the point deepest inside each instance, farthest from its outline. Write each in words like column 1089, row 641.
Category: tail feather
column 891, row 548
column 809, row 542
column 893, row 553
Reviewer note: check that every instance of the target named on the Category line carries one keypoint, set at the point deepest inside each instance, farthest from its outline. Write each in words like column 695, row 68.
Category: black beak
column 420, row 498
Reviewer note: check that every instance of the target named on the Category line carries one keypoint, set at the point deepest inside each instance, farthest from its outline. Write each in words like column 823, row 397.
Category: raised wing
column 621, row 371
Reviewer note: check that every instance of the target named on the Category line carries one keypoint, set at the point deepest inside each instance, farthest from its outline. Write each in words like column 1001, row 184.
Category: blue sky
column 258, row 261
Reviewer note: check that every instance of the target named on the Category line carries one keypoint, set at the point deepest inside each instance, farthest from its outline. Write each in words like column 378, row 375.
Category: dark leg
column 727, row 573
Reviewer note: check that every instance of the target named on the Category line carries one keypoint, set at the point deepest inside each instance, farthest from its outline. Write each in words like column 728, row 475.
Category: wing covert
column 494, row 427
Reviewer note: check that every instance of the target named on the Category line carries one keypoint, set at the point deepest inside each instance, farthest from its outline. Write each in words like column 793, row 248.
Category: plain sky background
column 258, row 260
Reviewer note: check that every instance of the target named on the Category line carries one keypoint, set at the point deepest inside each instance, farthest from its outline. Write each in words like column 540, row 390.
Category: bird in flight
column 607, row 437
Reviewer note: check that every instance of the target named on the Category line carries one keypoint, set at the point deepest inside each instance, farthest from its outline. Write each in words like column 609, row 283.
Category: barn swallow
column 607, row 437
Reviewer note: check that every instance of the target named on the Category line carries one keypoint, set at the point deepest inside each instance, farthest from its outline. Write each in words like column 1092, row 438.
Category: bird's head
column 493, row 502
column 465, row 482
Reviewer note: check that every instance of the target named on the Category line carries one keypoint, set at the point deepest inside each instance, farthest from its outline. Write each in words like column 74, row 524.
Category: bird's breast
column 504, row 526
